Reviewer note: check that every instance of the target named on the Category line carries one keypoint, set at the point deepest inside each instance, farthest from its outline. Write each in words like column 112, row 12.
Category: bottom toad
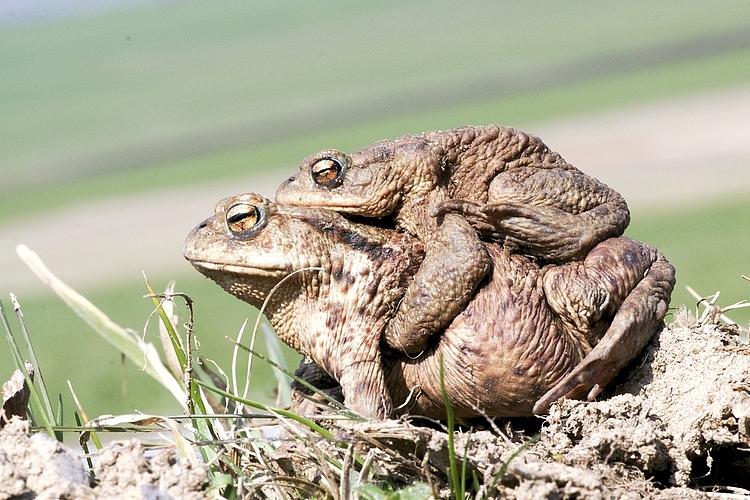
column 529, row 336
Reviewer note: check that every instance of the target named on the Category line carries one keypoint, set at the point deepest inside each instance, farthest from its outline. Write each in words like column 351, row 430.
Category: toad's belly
column 488, row 375
column 499, row 356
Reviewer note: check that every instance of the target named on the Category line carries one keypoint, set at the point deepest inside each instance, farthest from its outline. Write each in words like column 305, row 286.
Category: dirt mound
column 38, row 466
column 675, row 425
column 682, row 417
column 678, row 425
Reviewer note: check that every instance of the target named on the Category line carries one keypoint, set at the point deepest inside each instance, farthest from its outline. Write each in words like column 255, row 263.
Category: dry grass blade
column 713, row 313
column 83, row 415
column 139, row 352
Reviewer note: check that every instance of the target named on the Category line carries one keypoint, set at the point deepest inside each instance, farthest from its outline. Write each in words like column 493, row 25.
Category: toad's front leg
column 365, row 391
column 619, row 277
column 360, row 386
column 352, row 356
column 455, row 263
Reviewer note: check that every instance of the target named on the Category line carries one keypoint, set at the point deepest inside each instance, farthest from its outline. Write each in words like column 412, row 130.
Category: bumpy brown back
column 476, row 154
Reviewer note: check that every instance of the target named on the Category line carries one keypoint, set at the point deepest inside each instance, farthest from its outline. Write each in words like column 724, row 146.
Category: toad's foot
column 455, row 263
column 365, row 392
column 605, row 276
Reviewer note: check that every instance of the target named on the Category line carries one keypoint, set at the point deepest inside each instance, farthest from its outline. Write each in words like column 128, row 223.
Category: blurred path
column 682, row 151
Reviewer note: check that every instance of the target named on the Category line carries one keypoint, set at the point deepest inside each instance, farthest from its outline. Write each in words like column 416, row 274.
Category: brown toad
column 445, row 187
column 529, row 335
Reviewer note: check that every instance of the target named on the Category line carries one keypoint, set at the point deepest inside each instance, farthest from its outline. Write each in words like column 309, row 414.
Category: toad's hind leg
column 455, row 263
column 555, row 214
column 620, row 275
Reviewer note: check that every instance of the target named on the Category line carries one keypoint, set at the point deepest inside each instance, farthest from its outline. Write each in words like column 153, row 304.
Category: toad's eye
column 243, row 219
column 328, row 172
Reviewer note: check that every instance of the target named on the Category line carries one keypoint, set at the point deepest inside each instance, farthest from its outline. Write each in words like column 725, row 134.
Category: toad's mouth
column 243, row 270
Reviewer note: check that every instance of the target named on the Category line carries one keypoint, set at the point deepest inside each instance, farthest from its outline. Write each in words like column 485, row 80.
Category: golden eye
column 244, row 218
column 328, row 172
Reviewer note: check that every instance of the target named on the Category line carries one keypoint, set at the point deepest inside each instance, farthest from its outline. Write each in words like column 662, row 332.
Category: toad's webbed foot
column 455, row 263
column 620, row 276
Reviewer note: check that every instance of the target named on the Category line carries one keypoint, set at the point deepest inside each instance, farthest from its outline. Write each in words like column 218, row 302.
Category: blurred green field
column 185, row 92
column 106, row 104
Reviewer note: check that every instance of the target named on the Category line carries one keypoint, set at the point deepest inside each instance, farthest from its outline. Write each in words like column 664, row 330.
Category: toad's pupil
column 242, row 218
column 326, row 171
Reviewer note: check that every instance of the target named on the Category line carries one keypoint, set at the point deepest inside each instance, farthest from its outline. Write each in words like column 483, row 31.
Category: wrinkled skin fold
column 528, row 336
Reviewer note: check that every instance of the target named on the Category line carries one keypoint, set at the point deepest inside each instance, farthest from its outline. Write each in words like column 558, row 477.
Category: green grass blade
column 203, row 429
column 195, row 402
column 85, row 445
column 273, row 344
column 59, row 417
column 451, row 422
column 336, row 404
column 464, row 463
column 43, row 393
column 173, row 337
column 47, row 418
column 9, row 335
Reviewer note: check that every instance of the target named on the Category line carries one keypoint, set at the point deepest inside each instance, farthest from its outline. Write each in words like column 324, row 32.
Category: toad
column 450, row 187
column 529, row 335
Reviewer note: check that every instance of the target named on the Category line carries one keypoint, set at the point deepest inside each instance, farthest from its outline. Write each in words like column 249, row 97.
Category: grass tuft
column 274, row 452
column 38, row 395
